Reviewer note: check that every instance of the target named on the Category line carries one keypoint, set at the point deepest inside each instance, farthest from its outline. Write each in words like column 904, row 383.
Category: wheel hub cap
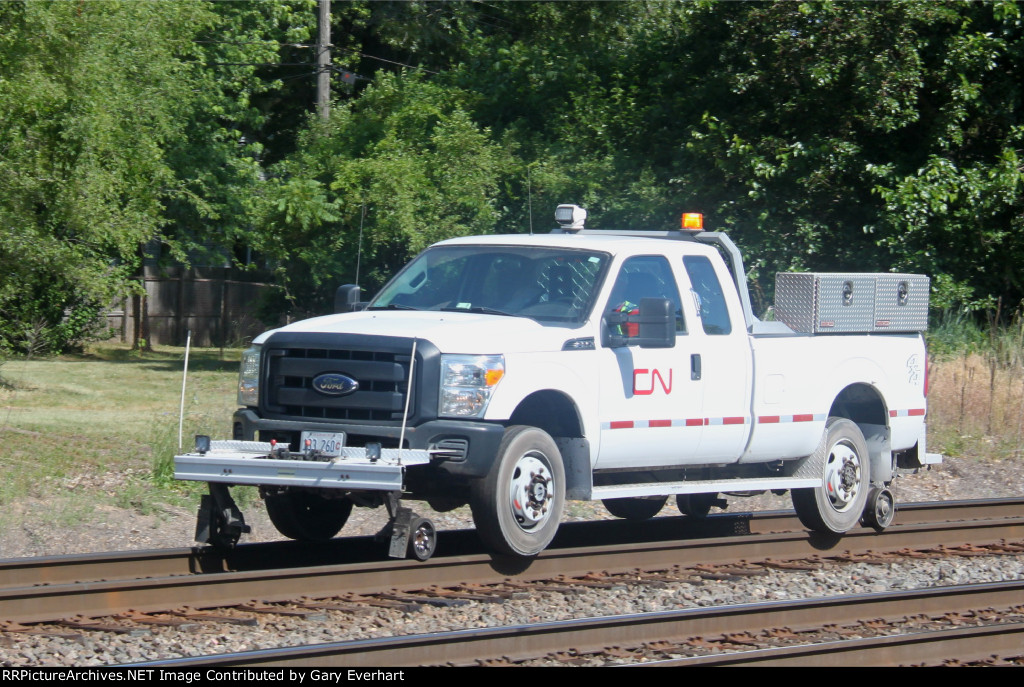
column 530, row 491
column 422, row 540
column 842, row 476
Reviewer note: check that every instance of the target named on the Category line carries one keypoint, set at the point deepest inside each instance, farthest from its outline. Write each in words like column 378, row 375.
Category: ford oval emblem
column 334, row 384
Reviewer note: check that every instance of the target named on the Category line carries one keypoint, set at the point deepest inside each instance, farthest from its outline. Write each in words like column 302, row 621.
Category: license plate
column 327, row 443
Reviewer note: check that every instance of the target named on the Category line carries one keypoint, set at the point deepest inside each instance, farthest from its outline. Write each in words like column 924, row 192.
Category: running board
column 710, row 486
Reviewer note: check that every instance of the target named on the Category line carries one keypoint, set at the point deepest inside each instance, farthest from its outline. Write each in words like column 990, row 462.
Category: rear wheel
column 842, row 462
column 880, row 509
column 695, row 505
column 635, row 508
column 518, row 505
column 305, row 516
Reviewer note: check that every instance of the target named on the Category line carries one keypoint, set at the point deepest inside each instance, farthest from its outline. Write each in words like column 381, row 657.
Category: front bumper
column 457, row 447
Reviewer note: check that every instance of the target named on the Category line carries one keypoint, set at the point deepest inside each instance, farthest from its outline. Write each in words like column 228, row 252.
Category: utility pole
column 323, row 61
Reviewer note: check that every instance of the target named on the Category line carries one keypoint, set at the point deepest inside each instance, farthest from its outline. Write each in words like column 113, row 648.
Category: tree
column 399, row 168
column 129, row 129
column 89, row 94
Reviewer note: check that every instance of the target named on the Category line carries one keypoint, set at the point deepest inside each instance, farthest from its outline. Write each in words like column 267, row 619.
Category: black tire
column 695, row 505
column 306, row 516
column 529, row 465
column 842, row 462
column 635, row 508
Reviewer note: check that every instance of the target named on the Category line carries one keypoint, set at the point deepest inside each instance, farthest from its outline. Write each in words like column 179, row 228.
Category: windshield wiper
column 393, row 306
column 481, row 310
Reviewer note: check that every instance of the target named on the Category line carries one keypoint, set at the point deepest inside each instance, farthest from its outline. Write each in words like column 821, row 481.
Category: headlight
column 249, row 377
column 467, row 382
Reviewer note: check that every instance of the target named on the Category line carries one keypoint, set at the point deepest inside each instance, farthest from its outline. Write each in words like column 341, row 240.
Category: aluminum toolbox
column 838, row 302
column 901, row 303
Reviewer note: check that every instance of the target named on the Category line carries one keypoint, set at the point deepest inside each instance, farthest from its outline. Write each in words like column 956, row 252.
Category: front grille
column 379, row 364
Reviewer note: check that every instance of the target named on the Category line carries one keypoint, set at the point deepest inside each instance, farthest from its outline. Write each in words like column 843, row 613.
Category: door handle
column 695, row 366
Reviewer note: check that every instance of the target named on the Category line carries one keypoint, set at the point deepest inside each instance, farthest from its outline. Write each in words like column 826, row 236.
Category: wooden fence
column 212, row 302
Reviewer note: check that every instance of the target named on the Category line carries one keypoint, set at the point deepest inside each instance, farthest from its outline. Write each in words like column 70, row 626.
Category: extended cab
column 514, row 372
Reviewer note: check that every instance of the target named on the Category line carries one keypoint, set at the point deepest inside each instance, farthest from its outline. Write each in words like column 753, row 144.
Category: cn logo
column 646, row 381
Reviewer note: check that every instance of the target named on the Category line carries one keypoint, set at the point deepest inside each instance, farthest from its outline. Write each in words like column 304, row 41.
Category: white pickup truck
column 515, row 372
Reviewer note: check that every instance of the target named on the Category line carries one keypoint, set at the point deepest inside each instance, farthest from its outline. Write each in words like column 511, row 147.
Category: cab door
column 723, row 349
column 650, row 403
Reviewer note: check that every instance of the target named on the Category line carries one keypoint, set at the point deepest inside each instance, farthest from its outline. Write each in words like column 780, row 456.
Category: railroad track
column 82, row 588
column 920, row 627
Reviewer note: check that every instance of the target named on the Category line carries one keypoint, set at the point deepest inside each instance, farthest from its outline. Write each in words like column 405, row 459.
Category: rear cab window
column 708, row 296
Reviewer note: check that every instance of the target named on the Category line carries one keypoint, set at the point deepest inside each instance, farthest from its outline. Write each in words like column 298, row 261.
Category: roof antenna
column 359, row 248
column 529, row 197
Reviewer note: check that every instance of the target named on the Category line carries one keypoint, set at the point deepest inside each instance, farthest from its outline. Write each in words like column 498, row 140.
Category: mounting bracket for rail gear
column 400, row 532
column 219, row 522
column 407, row 531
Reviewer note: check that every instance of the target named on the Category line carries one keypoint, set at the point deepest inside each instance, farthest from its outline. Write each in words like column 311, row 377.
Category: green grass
column 68, row 424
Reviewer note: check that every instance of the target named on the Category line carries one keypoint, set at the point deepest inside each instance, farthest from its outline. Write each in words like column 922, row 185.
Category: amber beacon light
column 693, row 221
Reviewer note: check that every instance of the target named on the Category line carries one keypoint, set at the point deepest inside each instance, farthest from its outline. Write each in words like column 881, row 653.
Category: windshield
column 544, row 284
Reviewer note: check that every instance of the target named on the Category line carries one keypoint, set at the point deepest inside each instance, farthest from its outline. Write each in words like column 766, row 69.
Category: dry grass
column 976, row 406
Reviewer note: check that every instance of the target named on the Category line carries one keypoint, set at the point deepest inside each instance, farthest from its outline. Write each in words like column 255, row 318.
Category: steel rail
column 633, row 631
column 618, row 555
column 129, row 565
column 928, row 648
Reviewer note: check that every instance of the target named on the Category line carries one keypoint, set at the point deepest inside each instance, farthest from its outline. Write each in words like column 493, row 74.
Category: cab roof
column 612, row 242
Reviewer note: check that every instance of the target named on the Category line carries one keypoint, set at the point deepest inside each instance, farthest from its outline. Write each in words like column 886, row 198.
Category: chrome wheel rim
column 842, row 476
column 531, row 491
column 423, row 541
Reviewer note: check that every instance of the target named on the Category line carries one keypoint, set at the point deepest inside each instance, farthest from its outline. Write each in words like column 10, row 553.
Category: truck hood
column 451, row 332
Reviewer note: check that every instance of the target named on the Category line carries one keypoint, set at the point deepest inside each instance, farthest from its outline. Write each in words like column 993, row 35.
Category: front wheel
column 843, row 464
column 306, row 516
column 517, row 507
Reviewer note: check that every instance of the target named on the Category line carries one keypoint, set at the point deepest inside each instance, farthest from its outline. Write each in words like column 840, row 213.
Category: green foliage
column 821, row 135
column 401, row 167
column 954, row 332
column 124, row 127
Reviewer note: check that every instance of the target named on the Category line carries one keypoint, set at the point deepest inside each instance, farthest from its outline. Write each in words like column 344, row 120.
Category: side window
column 646, row 276
column 707, row 291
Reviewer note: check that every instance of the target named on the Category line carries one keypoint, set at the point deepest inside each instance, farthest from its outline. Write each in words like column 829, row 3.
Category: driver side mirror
column 652, row 325
column 346, row 298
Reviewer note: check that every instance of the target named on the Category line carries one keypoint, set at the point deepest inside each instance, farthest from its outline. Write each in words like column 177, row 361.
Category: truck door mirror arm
column 652, row 325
